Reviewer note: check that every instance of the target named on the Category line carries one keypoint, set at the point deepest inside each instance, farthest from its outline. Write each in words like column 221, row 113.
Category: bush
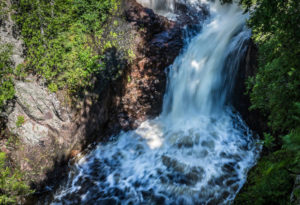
column 271, row 181
column 20, row 121
column 3, row 11
column 274, row 90
column 64, row 40
column 7, row 91
column 12, row 188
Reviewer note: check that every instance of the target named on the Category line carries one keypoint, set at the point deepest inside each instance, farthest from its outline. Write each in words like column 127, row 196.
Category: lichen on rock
column 42, row 111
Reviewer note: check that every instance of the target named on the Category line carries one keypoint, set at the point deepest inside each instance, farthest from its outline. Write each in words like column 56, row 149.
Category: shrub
column 64, row 40
column 274, row 90
column 12, row 188
column 20, row 121
column 7, row 91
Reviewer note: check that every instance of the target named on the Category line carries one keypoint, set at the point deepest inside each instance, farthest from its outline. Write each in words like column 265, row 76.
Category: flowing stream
column 199, row 150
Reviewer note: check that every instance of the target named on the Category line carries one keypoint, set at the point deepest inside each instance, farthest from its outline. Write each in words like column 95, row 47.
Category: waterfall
column 168, row 8
column 198, row 151
column 163, row 5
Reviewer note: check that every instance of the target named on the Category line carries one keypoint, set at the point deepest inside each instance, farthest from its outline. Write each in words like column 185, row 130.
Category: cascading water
column 163, row 5
column 168, row 8
column 198, row 151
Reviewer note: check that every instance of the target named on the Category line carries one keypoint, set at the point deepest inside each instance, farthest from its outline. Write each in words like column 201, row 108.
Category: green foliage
column 3, row 10
column 53, row 87
column 12, row 188
column 268, row 184
column 291, row 144
column 268, row 141
column 297, row 193
column 7, row 91
column 274, row 90
column 20, row 121
column 64, row 39
column 271, row 181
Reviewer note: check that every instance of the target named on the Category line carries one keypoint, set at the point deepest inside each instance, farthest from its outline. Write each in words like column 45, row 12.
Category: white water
column 198, row 151
column 168, row 7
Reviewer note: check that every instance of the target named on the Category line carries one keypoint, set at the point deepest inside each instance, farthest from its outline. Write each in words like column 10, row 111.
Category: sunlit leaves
column 60, row 38
column 6, row 85
column 11, row 185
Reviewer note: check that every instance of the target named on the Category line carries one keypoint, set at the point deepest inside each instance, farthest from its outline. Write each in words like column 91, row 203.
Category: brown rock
column 74, row 153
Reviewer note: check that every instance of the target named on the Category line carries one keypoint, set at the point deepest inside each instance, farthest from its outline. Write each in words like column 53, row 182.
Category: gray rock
column 294, row 198
column 8, row 34
column 41, row 111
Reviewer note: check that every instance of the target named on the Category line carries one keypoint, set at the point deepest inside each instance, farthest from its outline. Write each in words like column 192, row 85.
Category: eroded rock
column 42, row 112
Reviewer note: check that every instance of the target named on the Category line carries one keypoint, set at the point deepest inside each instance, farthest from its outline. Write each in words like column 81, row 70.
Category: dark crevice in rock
column 241, row 101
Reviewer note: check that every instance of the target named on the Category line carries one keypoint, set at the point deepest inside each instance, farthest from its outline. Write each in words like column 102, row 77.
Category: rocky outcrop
column 248, row 67
column 41, row 111
column 44, row 129
column 158, row 41
column 295, row 198
column 9, row 34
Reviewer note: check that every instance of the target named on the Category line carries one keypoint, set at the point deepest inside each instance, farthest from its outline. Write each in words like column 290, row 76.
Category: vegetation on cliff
column 66, row 41
column 7, row 88
column 12, row 188
column 6, row 65
column 274, row 90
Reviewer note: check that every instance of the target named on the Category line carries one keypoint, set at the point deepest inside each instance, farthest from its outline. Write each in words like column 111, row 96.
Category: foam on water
column 167, row 8
column 198, row 151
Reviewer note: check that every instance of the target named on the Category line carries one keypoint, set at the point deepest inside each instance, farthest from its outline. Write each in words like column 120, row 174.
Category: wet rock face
column 248, row 67
column 295, row 198
column 158, row 42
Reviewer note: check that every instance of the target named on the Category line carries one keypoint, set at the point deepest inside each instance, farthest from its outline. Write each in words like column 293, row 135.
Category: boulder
column 41, row 111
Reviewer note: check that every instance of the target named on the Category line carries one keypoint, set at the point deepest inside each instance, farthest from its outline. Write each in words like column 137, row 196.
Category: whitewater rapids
column 199, row 150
